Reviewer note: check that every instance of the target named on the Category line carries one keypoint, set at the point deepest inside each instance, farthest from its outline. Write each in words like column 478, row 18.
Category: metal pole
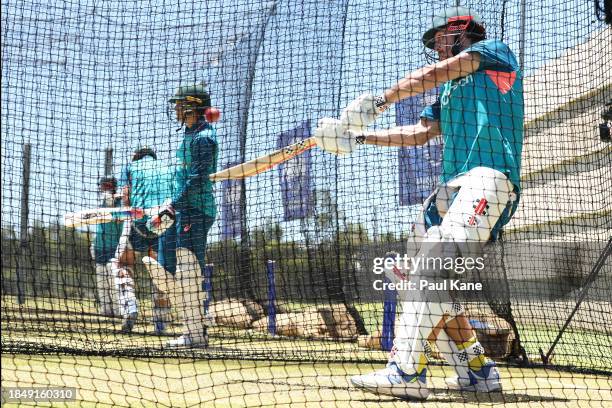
column 245, row 258
column 522, row 36
column 23, row 230
column 108, row 162
column 270, row 268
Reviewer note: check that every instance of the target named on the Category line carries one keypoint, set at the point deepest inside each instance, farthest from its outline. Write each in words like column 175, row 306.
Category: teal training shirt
column 150, row 182
column 107, row 238
column 197, row 159
column 481, row 115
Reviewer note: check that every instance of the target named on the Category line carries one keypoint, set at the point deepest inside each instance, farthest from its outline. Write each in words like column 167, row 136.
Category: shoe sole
column 488, row 388
column 398, row 392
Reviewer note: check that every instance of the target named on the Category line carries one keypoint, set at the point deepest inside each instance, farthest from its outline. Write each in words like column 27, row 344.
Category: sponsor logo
column 400, row 275
column 444, row 98
column 480, row 207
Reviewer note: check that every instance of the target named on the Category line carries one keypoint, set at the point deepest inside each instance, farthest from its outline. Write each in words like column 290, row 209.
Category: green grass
column 195, row 381
column 113, row 381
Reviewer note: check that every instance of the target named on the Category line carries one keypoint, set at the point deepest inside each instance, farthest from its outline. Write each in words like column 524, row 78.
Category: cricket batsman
column 103, row 248
column 145, row 184
column 479, row 114
column 182, row 248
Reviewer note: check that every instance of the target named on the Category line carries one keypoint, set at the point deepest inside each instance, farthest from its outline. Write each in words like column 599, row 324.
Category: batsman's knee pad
column 187, row 265
column 483, row 195
column 189, row 285
column 126, row 290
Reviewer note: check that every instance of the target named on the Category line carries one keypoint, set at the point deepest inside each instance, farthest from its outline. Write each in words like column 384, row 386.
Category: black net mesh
column 287, row 281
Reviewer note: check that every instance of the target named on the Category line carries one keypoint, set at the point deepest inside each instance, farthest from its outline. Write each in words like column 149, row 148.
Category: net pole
column 270, row 266
column 207, row 286
column 24, row 215
column 522, row 36
column 108, row 161
column 389, row 310
column 245, row 251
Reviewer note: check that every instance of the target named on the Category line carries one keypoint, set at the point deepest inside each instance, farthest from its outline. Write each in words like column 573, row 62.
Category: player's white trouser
column 124, row 239
column 482, row 196
column 107, row 291
column 125, row 286
column 123, row 278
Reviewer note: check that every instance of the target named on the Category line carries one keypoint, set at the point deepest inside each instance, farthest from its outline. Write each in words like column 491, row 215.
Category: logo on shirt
column 502, row 80
column 444, row 98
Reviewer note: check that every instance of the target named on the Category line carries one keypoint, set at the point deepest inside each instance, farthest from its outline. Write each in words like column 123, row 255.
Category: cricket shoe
column 128, row 323
column 162, row 317
column 189, row 341
column 391, row 380
column 486, row 379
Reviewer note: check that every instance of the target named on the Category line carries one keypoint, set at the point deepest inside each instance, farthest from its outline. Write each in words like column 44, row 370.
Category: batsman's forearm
column 432, row 76
column 401, row 136
column 413, row 84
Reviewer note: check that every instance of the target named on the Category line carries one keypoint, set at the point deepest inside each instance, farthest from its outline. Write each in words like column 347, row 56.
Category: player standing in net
column 145, row 184
column 182, row 248
column 103, row 248
column 479, row 114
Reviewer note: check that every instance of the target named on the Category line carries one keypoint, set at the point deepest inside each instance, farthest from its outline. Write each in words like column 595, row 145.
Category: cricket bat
column 264, row 163
column 104, row 215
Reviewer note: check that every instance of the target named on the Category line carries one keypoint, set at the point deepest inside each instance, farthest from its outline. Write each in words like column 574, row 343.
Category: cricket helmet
column 459, row 19
column 194, row 96
column 142, row 152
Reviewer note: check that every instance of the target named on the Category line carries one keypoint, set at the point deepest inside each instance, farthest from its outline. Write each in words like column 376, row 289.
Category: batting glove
column 163, row 219
column 362, row 111
column 332, row 136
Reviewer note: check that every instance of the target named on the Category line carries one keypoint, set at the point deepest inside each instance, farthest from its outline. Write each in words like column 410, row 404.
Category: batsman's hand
column 362, row 111
column 333, row 137
column 162, row 219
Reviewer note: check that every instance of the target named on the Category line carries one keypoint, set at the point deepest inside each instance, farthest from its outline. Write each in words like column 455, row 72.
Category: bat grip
column 138, row 213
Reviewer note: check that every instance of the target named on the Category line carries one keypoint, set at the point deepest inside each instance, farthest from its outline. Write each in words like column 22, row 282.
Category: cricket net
column 291, row 256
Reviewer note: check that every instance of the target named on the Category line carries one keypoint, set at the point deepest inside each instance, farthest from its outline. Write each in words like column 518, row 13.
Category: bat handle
column 138, row 213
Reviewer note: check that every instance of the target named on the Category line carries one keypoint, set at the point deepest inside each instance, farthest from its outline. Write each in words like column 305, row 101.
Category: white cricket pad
column 162, row 279
column 191, row 301
column 416, row 323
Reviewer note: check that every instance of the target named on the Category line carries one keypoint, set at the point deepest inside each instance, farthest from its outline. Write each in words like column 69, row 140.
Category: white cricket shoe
column 189, row 341
column 486, row 379
column 393, row 381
